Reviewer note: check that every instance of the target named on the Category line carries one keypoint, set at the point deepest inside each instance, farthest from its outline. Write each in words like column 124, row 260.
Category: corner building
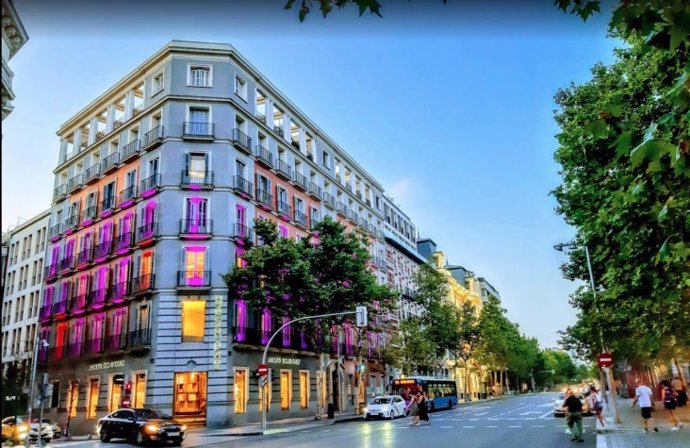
column 156, row 188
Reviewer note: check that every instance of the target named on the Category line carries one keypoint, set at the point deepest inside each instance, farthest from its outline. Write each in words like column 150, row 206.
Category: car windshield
column 380, row 400
column 147, row 414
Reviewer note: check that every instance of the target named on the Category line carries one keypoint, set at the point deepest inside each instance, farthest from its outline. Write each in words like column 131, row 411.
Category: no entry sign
column 605, row 360
column 263, row 369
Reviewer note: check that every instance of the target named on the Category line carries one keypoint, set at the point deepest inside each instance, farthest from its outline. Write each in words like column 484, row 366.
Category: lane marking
column 469, row 426
column 538, row 426
column 514, row 426
column 490, row 426
column 446, row 427
column 483, row 413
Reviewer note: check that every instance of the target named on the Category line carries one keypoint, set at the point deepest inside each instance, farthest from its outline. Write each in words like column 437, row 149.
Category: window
column 193, row 320
column 139, row 390
column 200, row 76
column 241, row 87
column 304, row 388
column 240, row 169
column 196, row 213
column 116, row 386
column 158, row 83
column 131, row 180
column 109, row 196
column 197, row 167
column 241, row 389
column 92, row 398
column 72, row 398
column 325, row 160
column 285, row 389
column 194, row 264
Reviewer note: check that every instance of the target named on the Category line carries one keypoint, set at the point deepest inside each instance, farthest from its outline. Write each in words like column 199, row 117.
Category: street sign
column 361, row 316
column 605, row 360
column 126, row 402
column 263, row 370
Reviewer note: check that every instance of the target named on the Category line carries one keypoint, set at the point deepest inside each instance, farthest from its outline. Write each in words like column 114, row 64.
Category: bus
column 442, row 393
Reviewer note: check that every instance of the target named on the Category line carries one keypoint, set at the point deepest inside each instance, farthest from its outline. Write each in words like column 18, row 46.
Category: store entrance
column 190, row 397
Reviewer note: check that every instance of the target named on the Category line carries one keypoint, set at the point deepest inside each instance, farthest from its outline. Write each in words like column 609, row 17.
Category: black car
column 141, row 426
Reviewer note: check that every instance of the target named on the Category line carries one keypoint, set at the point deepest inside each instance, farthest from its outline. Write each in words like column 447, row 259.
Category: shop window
column 241, row 387
column 92, row 398
column 190, row 393
column 193, row 320
column 304, row 388
column 72, row 398
column 267, row 392
column 115, row 395
column 285, row 389
column 139, row 392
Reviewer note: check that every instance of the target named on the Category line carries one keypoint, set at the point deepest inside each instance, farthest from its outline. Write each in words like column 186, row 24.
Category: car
column 559, row 410
column 14, row 430
column 46, row 432
column 57, row 430
column 140, row 426
column 385, row 406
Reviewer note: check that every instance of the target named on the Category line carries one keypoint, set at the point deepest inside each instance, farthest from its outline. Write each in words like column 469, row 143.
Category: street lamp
column 561, row 247
column 32, row 386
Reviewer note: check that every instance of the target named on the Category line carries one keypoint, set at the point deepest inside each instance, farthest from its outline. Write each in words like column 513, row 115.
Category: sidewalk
column 631, row 434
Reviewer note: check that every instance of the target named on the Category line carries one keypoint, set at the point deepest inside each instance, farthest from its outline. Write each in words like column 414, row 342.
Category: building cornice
column 12, row 28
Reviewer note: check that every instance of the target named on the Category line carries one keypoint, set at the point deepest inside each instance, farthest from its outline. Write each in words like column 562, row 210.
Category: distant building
column 488, row 290
column 13, row 38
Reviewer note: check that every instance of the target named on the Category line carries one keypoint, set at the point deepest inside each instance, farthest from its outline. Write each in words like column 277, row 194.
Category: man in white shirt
column 643, row 394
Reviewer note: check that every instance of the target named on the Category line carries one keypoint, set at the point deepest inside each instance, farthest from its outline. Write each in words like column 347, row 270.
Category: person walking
column 643, row 394
column 668, row 397
column 424, row 408
column 414, row 410
column 596, row 405
column 573, row 407
column 680, row 389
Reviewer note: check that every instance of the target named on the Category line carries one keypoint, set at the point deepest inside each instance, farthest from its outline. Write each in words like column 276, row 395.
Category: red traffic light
column 128, row 386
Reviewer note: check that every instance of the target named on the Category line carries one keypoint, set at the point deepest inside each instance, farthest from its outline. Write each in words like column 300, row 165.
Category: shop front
column 189, row 396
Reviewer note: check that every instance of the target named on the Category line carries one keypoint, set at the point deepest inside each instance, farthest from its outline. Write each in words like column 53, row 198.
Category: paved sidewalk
column 631, row 435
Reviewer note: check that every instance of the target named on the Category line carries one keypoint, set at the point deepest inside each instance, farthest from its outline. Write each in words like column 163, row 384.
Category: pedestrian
column 413, row 409
column 424, row 408
column 573, row 407
column 680, row 389
column 595, row 404
column 668, row 397
column 643, row 394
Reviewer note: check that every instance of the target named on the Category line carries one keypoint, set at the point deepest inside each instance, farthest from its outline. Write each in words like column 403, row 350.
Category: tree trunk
column 680, row 371
column 465, row 381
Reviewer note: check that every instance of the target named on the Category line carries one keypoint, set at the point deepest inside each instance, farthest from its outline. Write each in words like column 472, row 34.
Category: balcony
column 264, row 199
column 97, row 298
column 75, row 183
column 299, row 180
column 123, row 242
column 102, row 250
column 150, row 186
column 314, row 191
column 90, row 214
column 59, row 192
column 343, row 210
column 193, row 280
column 198, row 131
column 284, row 210
column 139, row 339
column 127, row 196
column 60, row 308
column 263, row 156
column 119, row 291
column 243, row 187
column 80, row 302
column 278, row 129
column 54, row 232
column 110, row 163
column 107, row 206
column 284, row 170
column 75, row 349
column 84, row 257
column 67, row 263
column 329, row 200
column 51, row 273
column 300, row 219
column 45, row 313
column 146, row 234
column 197, row 180
column 242, row 232
column 152, row 138
column 70, row 224
column 261, row 117
column 130, row 150
column 143, row 284
column 116, row 342
column 94, row 346
column 196, row 229
column 242, row 141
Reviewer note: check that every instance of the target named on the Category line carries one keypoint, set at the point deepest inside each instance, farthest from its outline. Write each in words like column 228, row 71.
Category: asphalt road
column 521, row 422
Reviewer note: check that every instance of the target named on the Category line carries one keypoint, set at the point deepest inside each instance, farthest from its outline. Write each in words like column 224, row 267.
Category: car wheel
column 140, row 439
column 392, row 416
column 367, row 417
column 178, row 442
column 105, row 437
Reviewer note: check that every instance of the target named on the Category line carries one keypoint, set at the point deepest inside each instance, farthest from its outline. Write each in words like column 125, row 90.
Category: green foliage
column 326, row 6
column 410, row 349
column 624, row 149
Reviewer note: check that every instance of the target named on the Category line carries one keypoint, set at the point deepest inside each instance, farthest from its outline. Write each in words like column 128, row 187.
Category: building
column 13, row 38
column 26, row 245
column 488, row 290
column 157, row 185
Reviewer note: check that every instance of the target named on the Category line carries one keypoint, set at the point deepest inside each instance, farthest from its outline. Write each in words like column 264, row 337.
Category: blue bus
column 442, row 393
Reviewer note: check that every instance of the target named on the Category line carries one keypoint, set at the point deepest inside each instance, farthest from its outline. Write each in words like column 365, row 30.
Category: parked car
column 385, row 406
column 559, row 410
column 46, row 432
column 14, row 430
column 57, row 430
column 141, row 426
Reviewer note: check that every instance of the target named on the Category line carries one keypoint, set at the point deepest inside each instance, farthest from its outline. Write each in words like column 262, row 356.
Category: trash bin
column 331, row 410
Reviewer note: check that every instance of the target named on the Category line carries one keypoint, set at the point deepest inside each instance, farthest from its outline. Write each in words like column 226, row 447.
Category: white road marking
column 490, row 426
column 469, row 426
column 514, row 426
column 446, row 427
column 483, row 413
column 538, row 426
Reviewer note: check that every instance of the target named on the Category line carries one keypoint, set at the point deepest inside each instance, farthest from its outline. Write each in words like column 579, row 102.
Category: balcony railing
column 107, row 206
column 296, row 340
column 198, row 130
column 314, row 190
column 342, row 209
column 55, row 230
column 263, row 155
column 243, row 231
column 60, row 308
column 241, row 141
column 97, row 297
column 118, row 291
column 127, row 196
column 300, row 218
column 143, row 283
column 153, row 138
column 67, row 263
column 197, row 179
column 90, row 214
column 102, row 250
column 117, row 341
column 96, row 345
column 284, row 169
column 79, row 302
column 45, row 313
column 70, row 223
column 59, row 191
column 147, row 232
column 85, row 256
column 192, row 227
column 242, row 185
column 75, row 349
column 110, row 162
column 278, row 129
column 264, row 198
column 193, row 279
column 75, row 183
column 139, row 338
column 300, row 180
column 329, row 199
column 283, row 208
column 150, row 185
column 123, row 242
column 130, row 150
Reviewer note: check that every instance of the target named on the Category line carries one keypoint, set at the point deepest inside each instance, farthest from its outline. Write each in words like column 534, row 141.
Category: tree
column 410, row 348
column 467, row 337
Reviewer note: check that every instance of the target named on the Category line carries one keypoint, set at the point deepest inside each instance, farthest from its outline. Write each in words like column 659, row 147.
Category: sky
column 449, row 107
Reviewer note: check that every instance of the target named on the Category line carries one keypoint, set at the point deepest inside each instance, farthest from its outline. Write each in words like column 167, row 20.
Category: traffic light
column 128, row 387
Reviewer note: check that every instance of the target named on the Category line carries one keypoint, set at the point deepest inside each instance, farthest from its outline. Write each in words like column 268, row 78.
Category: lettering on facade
column 288, row 361
column 218, row 334
column 106, row 365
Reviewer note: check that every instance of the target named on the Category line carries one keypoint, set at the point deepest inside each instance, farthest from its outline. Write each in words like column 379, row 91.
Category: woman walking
column 668, row 396
column 414, row 410
column 595, row 404
column 424, row 408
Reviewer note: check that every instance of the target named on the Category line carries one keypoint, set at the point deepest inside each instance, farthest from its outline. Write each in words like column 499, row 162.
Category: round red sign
column 605, row 360
column 263, row 369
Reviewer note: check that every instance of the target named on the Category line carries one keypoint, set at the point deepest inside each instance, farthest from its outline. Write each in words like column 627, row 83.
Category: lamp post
column 607, row 370
column 32, row 387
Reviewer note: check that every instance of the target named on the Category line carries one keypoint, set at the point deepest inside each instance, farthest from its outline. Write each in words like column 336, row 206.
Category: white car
column 46, row 432
column 385, row 406
column 559, row 410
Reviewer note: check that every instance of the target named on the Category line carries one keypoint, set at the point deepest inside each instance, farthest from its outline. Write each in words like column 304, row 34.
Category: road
column 522, row 422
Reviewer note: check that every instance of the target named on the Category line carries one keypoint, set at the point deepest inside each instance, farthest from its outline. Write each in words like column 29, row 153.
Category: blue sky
column 450, row 107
